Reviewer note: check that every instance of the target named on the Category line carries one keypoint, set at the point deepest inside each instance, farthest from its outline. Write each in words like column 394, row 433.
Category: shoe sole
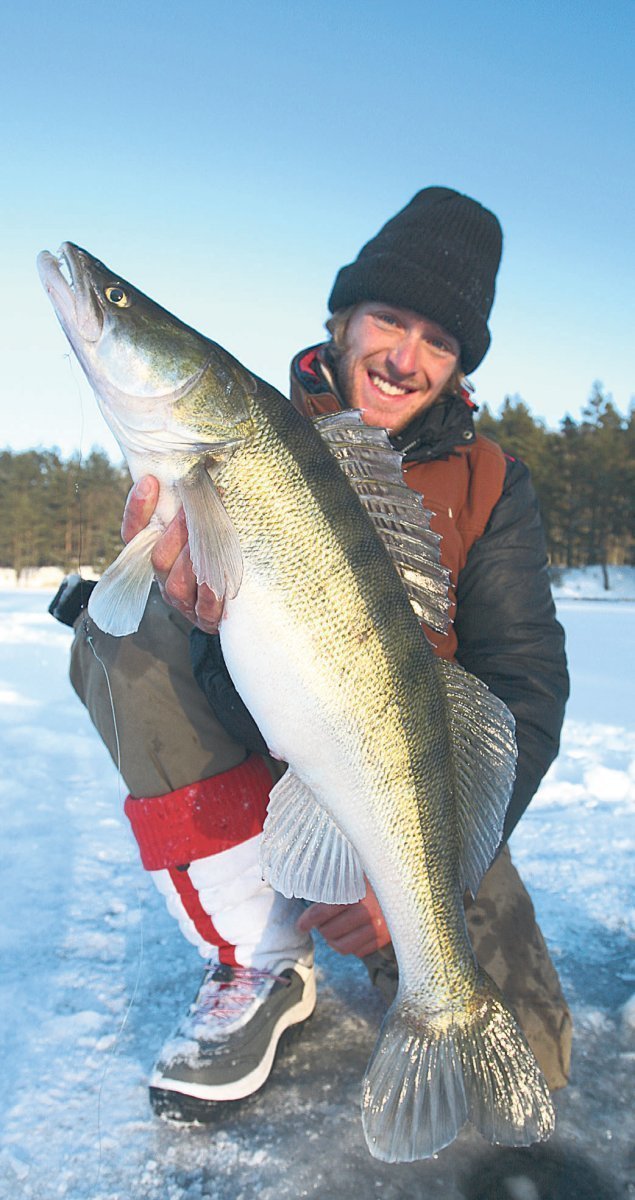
column 177, row 1108
column 166, row 1093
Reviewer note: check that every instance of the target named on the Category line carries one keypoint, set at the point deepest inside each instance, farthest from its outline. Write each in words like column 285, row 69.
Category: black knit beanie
column 439, row 257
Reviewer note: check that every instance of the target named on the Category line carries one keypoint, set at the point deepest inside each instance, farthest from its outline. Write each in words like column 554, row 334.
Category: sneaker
column 383, row 971
column 224, row 1048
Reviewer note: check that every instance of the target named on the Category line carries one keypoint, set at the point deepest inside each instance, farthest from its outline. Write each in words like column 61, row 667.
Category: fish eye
column 117, row 296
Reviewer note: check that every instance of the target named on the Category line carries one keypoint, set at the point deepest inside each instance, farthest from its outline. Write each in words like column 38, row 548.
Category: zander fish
column 400, row 764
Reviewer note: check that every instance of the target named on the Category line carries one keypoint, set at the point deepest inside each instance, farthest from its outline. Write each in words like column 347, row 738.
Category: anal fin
column 303, row 852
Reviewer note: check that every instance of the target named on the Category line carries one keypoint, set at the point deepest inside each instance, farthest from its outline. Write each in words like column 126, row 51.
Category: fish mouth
column 66, row 281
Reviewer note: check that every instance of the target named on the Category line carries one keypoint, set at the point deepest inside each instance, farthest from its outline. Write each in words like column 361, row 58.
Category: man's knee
column 509, row 944
column 144, row 702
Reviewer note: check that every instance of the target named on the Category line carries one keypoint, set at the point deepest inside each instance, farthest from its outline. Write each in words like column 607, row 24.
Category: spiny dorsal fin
column 303, row 852
column 484, row 762
column 373, row 468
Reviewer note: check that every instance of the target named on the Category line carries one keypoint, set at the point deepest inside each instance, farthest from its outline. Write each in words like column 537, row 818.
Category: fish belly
column 351, row 764
column 274, row 662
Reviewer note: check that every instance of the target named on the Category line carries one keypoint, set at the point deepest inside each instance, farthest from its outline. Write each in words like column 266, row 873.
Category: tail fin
column 425, row 1080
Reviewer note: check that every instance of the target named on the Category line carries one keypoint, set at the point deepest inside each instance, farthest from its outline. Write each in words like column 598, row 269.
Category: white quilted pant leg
column 219, row 898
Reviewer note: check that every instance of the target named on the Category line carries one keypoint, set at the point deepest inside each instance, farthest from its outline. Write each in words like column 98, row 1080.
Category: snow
column 95, row 973
column 579, row 583
column 587, row 583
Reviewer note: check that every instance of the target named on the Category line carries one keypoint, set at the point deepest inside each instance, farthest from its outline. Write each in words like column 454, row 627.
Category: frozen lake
column 94, row 973
column 600, row 645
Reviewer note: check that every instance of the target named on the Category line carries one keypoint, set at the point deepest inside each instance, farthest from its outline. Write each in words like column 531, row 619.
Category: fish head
column 154, row 376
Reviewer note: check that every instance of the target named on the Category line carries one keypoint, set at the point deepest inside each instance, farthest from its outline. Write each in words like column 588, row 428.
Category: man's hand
column 349, row 928
column 171, row 558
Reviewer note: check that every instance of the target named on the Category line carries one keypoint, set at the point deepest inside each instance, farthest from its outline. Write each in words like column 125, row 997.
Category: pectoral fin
column 214, row 545
column 303, row 851
column 118, row 602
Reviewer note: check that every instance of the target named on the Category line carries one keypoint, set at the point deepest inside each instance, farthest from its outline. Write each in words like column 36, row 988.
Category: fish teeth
column 65, row 270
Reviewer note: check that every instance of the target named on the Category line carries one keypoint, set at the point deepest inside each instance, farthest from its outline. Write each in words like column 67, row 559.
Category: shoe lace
column 227, row 991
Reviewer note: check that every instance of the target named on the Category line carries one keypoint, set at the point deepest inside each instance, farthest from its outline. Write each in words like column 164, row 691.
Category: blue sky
column 228, row 158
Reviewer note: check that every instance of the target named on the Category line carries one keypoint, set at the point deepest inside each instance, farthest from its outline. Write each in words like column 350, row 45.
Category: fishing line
column 91, row 642
column 141, row 945
column 88, row 636
column 80, row 463
column 82, row 422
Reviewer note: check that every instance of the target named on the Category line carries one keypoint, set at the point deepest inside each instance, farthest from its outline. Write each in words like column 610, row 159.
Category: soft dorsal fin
column 373, row 468
column 484, row 763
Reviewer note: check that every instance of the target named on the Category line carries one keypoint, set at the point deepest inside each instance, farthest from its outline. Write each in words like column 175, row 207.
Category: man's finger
column 360, row 944
column 348, row 929
column 180, row 586
column 317, row 915
column 140, row 505
column 341, row 924
column 358, row 928
column 209, row 609
column 170, row 545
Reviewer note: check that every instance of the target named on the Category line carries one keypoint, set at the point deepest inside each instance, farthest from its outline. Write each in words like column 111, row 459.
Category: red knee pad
column 203, row 818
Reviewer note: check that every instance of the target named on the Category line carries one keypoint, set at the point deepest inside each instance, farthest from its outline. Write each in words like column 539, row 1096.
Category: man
column 409, row 322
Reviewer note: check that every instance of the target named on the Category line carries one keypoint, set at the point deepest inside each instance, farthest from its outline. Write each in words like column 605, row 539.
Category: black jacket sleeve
column 214, row 680
column 508, row 634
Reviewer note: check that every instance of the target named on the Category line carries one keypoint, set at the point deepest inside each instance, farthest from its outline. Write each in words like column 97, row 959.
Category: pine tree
column 584, row 476
column 56, row 513
column 520, row 435
column 608, row 477
column 570, row 499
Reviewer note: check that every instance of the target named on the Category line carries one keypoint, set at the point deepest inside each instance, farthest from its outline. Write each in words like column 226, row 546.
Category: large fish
column 400, row 765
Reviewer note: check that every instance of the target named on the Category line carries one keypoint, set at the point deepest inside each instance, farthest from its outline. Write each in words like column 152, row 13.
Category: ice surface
column 94, row 972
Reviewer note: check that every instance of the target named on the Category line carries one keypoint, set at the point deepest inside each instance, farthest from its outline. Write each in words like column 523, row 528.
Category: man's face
column 395, row 364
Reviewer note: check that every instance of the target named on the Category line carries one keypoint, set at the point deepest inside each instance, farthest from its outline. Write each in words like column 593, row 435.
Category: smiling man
column 409, row 322
column 396, row 364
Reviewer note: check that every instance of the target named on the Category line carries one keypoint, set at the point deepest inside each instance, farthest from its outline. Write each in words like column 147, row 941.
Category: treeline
column 68, row 513
column 60, row 513
column 584, row 474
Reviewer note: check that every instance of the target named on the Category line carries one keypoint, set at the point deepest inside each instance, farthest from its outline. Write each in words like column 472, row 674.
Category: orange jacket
column 460, row 490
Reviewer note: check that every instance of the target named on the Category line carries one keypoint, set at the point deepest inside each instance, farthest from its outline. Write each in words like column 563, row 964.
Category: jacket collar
column 440, row 430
